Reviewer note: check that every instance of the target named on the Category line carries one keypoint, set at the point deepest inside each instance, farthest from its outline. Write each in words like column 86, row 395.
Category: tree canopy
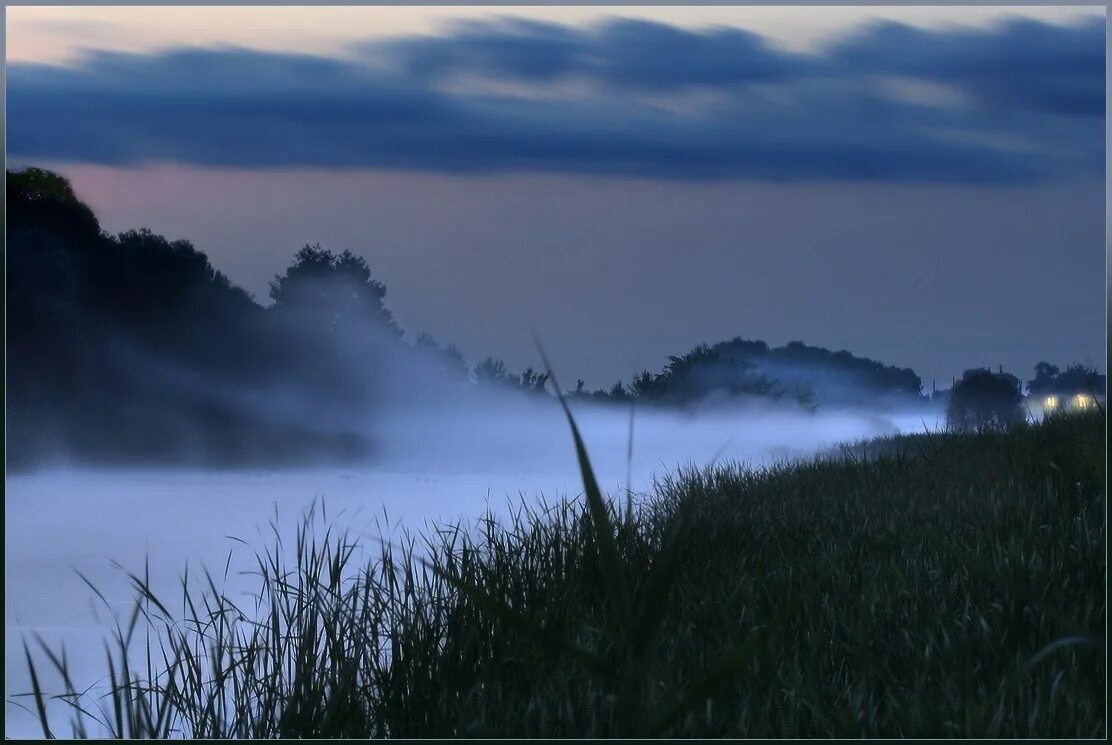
column 1075, row 379
column 740, row 368
column 336, row 291
column 984, row 399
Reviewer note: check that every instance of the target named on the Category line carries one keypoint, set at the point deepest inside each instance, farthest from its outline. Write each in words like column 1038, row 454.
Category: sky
column 924, row 186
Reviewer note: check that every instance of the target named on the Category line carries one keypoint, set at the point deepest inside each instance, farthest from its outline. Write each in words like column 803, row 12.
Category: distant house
column 1053, row 391
column 1043, row 404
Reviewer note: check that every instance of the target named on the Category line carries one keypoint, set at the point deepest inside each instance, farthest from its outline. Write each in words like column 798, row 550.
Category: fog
column 437, row 463
column 389, row 436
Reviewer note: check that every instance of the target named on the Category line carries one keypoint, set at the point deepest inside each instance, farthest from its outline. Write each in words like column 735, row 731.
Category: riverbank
column 942, row 585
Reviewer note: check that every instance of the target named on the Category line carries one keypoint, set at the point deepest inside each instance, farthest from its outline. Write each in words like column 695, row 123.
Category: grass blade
column 613, row 574
column 36, row 689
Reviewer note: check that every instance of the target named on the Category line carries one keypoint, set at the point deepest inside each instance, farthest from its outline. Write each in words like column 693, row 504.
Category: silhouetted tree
column 1043, row 382
column 618, row 392
column 983, row 399
column 691, row 377
column 833, row 377
column 334, row 291
column 533, row 381
column 449, row 359
column 805, row 397
column 808, row 375
column 644, row 385
column 1079, row 378
column 493, row 371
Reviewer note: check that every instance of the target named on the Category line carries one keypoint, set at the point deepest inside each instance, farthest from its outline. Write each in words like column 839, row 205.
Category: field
column 925, row 585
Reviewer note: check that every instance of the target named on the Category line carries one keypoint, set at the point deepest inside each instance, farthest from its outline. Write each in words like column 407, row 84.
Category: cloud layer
column 1018, row 102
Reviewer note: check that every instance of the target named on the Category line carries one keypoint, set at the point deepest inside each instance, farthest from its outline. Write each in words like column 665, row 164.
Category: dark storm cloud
column 646, row 100
column 626, row 53
column 1023, row 65
column 518, row 48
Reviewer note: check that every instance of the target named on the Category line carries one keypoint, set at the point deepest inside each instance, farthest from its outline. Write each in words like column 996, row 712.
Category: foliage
column 1045, row 376
column 108, row 338
column 809, row 376
column 983, row 399
column 533, row 381
column 1075, row 379
column 40, row 185
column 135, row 347
column 449, row 359
column 690, row 377
column 840, row 376
column 336, row 290
column 616, row 393
column 493, row 371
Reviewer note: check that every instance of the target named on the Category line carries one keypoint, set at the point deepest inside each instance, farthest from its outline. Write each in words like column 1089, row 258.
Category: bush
column 982, row 400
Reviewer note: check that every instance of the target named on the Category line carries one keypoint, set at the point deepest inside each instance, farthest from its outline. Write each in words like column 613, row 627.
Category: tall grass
column 931, row 585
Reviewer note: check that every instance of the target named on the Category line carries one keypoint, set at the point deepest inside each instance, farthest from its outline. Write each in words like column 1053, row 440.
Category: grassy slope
column 909, row 593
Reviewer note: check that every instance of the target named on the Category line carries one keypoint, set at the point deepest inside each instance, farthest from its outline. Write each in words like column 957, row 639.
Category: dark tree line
column 135, row 346
column 744, row 368
column 1075, row 379
column 493, row 371
column 984, row 399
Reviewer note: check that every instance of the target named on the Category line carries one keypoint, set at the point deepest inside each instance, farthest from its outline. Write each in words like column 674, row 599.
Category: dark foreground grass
column 934, row 586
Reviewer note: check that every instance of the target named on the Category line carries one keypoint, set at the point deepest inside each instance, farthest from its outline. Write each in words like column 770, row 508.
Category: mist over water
column 438, row 465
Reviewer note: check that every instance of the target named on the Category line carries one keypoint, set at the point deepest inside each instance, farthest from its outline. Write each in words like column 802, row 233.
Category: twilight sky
column 924, row 186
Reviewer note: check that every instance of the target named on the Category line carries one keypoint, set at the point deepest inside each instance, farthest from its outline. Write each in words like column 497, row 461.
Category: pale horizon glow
column 55, row 34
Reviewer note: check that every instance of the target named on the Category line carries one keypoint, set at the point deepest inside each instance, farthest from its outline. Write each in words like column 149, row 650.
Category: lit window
column 1051, row 402
column 1082, row 401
